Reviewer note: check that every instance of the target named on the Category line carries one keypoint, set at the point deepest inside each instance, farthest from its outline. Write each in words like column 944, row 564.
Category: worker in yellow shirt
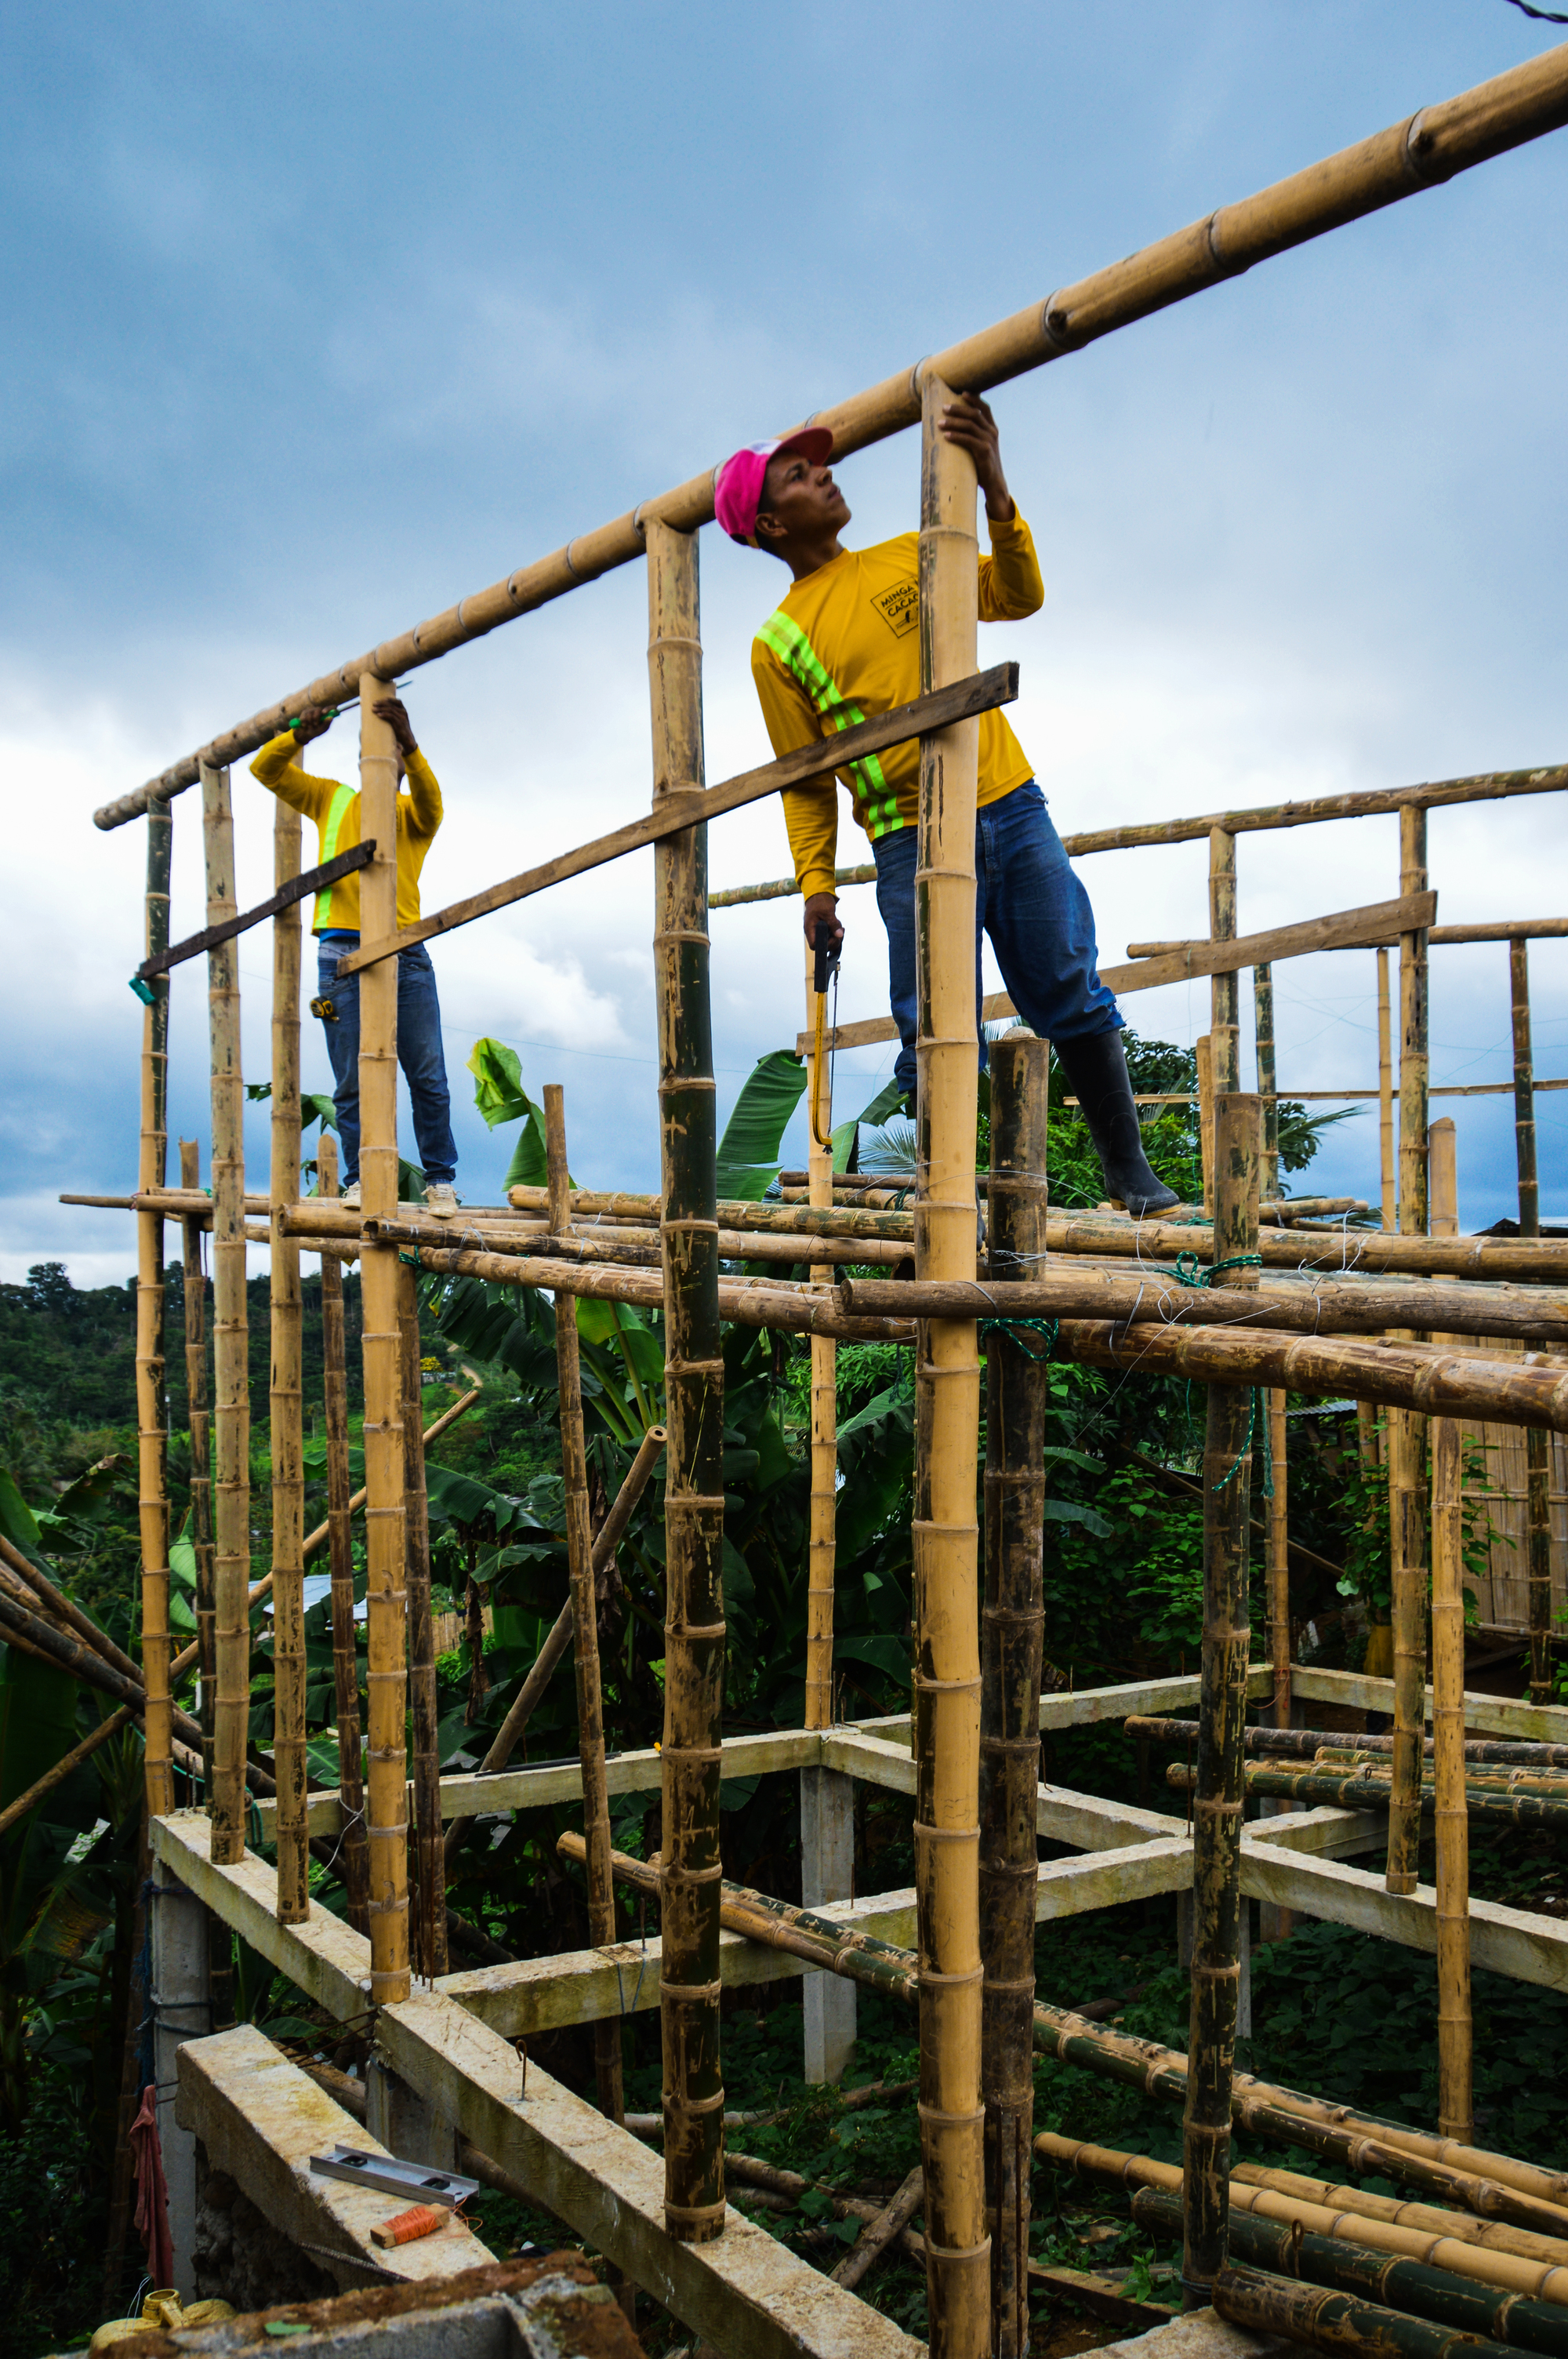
column 844, row 645
column 335, row 808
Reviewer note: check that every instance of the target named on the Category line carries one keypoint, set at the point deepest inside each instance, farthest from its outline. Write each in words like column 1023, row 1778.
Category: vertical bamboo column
column 340, row 1557
column 585, row 1615
column 1278, row 1570
column 429, row 1848
column 1225, row 996
column 1407, row 1432
column 690, row 1866
column 1222, row 1718
column 1536, row 1445
column 200, row 1429
column 152, row 1421
column 1202, row 1056
column 1454, row 2110
column 945, row 1534
column 1263, row 1042
column 822, row 1545
column 1012, row 1633
column 232, row 1488
column 1385, row 1096
column 386, row 1598
column 285, row 1401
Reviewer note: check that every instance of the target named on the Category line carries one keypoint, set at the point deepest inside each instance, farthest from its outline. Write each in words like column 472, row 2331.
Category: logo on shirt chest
column 899, row 607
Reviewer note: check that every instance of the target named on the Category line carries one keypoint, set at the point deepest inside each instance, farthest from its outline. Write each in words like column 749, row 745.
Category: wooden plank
column 1485, row 1715
column 744, row 2291
column 358, row 855
column 689, row 806
column 260, row 2118
column 1511, row 1942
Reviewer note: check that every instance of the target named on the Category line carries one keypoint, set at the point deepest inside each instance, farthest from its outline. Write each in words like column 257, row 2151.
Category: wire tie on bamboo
column 1245, row 1453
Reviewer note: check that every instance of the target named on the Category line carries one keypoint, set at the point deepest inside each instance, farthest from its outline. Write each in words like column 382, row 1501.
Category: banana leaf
column 749, row 1150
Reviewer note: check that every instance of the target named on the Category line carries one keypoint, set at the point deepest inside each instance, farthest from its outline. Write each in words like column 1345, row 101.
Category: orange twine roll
column 404, row 2228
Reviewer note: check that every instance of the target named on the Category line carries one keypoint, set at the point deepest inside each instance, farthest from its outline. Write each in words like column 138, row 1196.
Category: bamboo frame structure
column 1012, row 1637
column 584, row 1602
column 1407, row 1434
column 1455, row 2111
column 693, row 1402
column 232, row 1421
column 822, row 1542
column 946, row 1672
column 386, row 1594
column 199, row 1427
column 286, row 1399
column 1222, row 1715
column 340, row 1544
column 430, row 1947
column 151, row 1454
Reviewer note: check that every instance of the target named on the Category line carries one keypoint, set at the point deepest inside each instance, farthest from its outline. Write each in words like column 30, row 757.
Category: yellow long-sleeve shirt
column 844, row 646
column 336, row 812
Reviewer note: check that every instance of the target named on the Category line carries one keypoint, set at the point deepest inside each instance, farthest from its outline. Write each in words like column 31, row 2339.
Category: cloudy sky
column 316, row 318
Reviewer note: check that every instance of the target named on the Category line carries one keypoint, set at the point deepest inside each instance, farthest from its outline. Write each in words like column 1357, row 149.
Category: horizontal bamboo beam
column 1381, row 921
column 1353, row 1308
column 1363, row 1789
column 1424, row 150
column 313, row 880
column 782, row 886
column 1305, row 1743
column 687, row 807
column 627, row 1243
column 1337, row 1254
column 1523, row 929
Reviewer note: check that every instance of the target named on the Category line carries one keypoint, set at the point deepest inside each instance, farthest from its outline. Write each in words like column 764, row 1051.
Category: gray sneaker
column 442, row 1200
column 350, row 1198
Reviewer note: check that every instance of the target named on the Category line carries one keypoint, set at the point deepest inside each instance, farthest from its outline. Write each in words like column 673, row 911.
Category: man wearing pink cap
column 844, row 645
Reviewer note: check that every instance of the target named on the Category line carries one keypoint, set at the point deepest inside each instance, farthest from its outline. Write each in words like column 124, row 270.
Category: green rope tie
column 1019, row 1331
column 1189, row 1271
column 1245, row 1453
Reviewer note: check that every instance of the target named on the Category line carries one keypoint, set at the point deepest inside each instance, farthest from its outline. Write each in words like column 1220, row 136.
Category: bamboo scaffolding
column 201, row 1430
column 232, row 1490
column 386, row 1599
column 1338, row 1252
column 285, row 1401
column 1493, row 2187
column 1013, row 1628
column 510, row 1734
column 584, row 1602
column 152, row 1421
column 1263, row 1048
column 1412, row 2286
column 822, row 1538
column 430, row 1925
column 1455, row 2113
column 1424, row 150
column 1222, row 1716
column 1407, row 1435
column 340, row 1542
column 946, row 1671
column 1156, row 1298
column 694, row 1398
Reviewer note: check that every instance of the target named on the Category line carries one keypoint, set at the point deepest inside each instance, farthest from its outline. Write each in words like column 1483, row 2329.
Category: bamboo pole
column 1423, row 150
column 1338, row 1252
column 200, row 1427
column 946, row 1672
column 694, row 1398
column 1386, row 1097
column 1524, row 1089
column 232, row 1490
column 386, row 1598
column 1306, row 1742
column 1263, row 1043
column 584, row 1603
column 285, row 1402
column 1013, row 1628
column 1364, row 1786
column 68, row 1763
column 432, row 1928
column 340, row 1542
column 1455, row 2113
column 1538, row 1449
column 1203, row 1054
column 1337, row 2323
column 1406, row 1434
column 1222, row 1716
column 822, row 1542
column 1225, row 1030
column 152, row 1419
column 1276, row 1924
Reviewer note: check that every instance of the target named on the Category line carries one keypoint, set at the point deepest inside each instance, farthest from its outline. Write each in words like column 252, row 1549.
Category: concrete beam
column 1505, row 1940
column 1079, row 1708
column 1485, row 1715
column 327, row 1959
column 261, row 2119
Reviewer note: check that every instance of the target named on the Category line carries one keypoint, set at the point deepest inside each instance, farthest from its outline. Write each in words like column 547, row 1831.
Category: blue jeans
column 1029, row 901
column 419, row 1052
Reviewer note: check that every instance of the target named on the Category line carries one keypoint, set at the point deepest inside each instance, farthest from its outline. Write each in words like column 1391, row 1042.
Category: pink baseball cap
column 738, row 488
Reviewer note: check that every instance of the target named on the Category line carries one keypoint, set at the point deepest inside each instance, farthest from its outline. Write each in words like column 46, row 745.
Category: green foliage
column 501, row 1097
column 747, row 1152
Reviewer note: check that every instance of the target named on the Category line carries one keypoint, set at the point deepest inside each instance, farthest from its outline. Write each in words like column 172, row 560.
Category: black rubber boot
column 1096, row 1069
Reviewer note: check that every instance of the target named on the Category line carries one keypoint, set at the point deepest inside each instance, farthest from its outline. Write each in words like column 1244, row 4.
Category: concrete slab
column 1204, row 2334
